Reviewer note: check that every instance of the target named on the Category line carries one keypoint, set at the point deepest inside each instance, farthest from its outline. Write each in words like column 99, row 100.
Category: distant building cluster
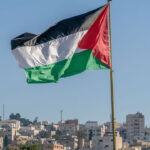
column 70, row 135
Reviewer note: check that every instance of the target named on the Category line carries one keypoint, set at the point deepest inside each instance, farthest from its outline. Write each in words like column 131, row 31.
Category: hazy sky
column 85, row 96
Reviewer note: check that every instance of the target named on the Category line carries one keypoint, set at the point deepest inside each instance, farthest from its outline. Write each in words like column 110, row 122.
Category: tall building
column 135, row 126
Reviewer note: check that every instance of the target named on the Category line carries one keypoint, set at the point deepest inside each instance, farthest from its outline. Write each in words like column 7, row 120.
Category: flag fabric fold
column 69, row 47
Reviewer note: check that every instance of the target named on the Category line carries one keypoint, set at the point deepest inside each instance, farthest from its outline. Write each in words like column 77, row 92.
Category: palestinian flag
column 69, row 47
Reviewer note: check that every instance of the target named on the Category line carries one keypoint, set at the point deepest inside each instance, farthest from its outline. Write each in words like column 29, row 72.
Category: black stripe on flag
column 60, row 29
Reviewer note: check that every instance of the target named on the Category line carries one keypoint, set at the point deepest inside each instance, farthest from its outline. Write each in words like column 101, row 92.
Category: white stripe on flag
column 49, row 52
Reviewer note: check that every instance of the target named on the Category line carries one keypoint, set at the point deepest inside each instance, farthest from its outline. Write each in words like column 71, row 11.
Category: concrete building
column 69, row 127
column 147, row 134
column 143, row 144
column 135, row 126
column 91, row 124
column 23, row 139
column 128, row 146
column 81, row 143
column 52, row 146
column 123, row 131
column 93, row 129
column 11, row 123
column 132, row 148
column 28, row 131
column 74, row 121
column 9, row 132
column 109, row 126
column 9, row 128
column 106, row 142
column 1, row 143
column 39, row 127
column 69, row 141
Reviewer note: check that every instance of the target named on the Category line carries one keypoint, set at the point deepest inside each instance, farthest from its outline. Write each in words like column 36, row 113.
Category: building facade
column 1, row 143
column 11, row 123
column 93, row 129
column 135, row 126
column 69, row 127
column 106, row 142
column 52, row 146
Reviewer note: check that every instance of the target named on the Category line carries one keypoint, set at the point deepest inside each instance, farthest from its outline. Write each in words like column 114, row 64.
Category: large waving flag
column 69, row 47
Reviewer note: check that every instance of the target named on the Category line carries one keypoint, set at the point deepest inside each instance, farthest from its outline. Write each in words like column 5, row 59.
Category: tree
column 13, row 116
column 25, row 122
column 35, row 121
column 34, row 147
column 8, row 148
column 58, row 137
column 44, row 134
column 17, row 116
column 29, row 147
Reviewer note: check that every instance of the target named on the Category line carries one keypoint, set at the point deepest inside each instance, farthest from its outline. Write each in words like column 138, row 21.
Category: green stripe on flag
column 51, row 73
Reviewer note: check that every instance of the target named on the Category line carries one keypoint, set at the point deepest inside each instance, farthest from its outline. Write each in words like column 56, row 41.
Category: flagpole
column 111, row 83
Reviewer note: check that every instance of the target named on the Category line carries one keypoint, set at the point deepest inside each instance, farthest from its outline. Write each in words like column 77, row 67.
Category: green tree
column 58, row 137
column 13, row 116
column 29, row 147
column 17, row 116
column 8, row 148
column 25, row 122
column 44, row 134
column 34, row 147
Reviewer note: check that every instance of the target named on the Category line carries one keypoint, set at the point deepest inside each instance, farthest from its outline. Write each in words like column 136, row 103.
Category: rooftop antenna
column 3, row 112
column 61, row 113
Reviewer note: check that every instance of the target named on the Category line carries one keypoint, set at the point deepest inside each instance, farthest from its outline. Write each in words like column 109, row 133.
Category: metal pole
column 3, row 112
column 111, row 83
column 61, row 115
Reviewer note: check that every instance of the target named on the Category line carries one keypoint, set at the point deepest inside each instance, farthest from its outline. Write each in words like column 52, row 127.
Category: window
column 106, row 146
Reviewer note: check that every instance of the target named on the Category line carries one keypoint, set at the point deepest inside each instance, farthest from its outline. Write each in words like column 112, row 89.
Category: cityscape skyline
column 18, row 133
column 62, row 118
column 85, row 96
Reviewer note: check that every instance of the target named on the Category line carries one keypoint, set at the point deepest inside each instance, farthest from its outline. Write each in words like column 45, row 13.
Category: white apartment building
column 11, row 123
column 135, row 126
column 106, row 142
column 93, row 128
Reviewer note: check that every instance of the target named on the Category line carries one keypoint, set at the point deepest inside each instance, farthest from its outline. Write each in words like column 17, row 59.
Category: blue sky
column 85, row 96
